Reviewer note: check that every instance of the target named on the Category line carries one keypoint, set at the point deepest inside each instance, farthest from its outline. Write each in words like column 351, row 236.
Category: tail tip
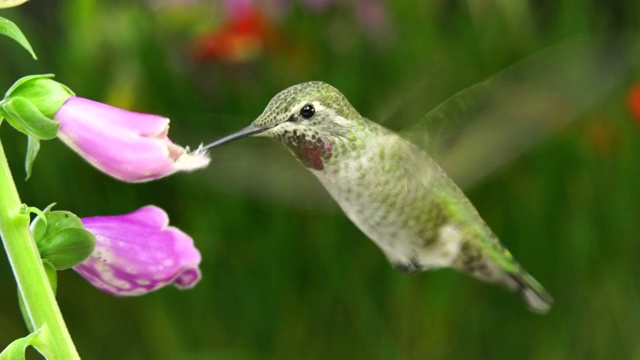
column 539, row 303
column 538, row 300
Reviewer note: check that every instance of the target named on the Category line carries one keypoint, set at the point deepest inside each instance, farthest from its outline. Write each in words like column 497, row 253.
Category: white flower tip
column 192, row 160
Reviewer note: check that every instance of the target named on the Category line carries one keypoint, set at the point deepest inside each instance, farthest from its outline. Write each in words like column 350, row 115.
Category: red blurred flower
column 634, row 102
column 241, row 39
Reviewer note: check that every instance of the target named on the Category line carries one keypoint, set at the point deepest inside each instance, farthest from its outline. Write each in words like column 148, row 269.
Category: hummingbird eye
column 307, row 111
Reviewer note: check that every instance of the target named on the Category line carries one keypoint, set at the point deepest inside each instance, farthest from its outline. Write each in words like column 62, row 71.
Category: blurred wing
column 489, row 124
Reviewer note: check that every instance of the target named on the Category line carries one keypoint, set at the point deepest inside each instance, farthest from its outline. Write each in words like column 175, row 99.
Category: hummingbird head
column 312, row 119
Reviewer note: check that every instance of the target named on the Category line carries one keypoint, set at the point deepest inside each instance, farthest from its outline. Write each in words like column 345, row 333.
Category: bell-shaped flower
column 138, row 252
column 129, row 146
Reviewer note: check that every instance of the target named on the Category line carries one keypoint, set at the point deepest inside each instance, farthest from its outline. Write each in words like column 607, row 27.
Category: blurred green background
column 289, row 276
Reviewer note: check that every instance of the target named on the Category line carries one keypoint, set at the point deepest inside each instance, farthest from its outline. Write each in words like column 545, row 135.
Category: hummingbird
column 389, row 188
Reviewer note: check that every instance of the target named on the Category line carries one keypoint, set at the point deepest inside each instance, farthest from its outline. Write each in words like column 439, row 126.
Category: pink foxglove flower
column 129, row 146
column 137, row 253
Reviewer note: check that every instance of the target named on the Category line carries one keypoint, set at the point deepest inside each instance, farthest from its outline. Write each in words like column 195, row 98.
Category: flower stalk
column 29, row 272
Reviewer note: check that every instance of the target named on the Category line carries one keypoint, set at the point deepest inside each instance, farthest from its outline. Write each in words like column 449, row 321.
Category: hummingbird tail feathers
column 531, row 292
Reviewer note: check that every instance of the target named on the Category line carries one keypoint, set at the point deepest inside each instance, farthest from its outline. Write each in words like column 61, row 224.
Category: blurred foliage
column 288, row 281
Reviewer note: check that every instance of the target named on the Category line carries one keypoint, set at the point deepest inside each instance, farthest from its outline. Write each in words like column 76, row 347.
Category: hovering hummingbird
column 390, row 188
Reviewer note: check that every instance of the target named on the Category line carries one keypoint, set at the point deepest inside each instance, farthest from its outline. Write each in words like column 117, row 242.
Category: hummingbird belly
column 384, row 190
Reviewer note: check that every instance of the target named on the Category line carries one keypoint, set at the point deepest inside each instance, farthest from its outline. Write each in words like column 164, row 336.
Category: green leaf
column 33, row 146
column 39, row 224
column 38, row 212
column 16, row 350
column 27, row 118
column 12, row 30
column 2, row 113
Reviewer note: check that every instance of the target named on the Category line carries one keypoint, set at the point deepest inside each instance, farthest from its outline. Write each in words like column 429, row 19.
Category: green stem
column 39, row 299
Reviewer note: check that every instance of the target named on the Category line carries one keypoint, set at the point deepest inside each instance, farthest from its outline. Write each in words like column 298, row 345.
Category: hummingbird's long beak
column 249, row 130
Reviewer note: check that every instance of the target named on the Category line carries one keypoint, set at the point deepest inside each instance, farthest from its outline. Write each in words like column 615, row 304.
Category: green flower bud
column 42, row 91
column 62, row 239
column 30, row 104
